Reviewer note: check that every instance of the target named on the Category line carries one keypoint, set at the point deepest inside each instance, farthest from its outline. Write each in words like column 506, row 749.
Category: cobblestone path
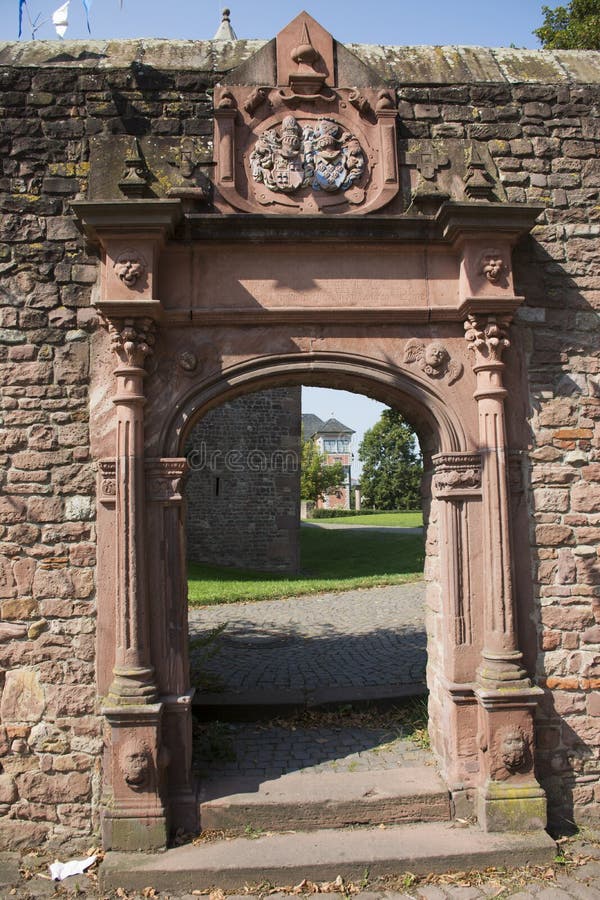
column 370, row 640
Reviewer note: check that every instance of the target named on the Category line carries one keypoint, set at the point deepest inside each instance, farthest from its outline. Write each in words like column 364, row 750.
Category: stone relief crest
column 433, row 359
column 323, row 156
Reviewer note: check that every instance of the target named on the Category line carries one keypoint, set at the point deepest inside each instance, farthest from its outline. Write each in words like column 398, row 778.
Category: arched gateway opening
column 411, row 306
column 307, row 639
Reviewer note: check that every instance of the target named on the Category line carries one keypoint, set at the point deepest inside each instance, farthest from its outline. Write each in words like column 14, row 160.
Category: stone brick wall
column 243, row 497
column 50, row 736
column 50, row 731
column 545, row 141
column 541, row 125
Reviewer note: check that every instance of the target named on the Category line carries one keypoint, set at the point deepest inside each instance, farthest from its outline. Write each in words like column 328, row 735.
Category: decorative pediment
column 307, row 142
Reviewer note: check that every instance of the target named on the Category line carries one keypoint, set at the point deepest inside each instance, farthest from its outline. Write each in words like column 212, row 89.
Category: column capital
column 487, row 339
column 457, row 475
column 132, row 340
column 164, row 479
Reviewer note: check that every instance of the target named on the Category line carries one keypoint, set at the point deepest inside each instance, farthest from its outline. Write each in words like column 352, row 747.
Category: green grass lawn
column 332, row 560
column 395, row 519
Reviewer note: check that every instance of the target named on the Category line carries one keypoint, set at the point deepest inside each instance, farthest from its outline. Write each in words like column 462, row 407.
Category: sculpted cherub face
column 492, row 267
column 130, row 267
column 436, row 355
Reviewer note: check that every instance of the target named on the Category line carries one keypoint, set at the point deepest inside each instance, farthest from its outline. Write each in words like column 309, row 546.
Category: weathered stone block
column 553, row 535
column 57, row 584
column 12, row 510
column 40, row 788
column 62, row 228
column 47, row 738
column 585, row 497
column 23, row 698
column 7, row 581
column 568, row 618
column 23, row 570
column 20, row 835
column 45, row 509
column 19, row 608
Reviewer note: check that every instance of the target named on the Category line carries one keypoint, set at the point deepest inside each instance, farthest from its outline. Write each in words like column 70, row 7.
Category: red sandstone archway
column 291, row 278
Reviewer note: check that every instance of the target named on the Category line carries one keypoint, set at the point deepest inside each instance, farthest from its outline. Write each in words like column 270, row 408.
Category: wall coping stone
column 401, row 65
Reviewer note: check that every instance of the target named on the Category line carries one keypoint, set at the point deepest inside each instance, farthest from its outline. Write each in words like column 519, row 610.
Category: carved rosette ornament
column 108, row 481
column 188, row 361
column 433, row 359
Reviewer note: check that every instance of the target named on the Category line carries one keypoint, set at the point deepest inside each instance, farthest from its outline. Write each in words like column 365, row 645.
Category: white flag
column 60, row 18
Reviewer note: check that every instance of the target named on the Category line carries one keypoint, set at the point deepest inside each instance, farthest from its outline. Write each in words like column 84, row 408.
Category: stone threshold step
column 259, row 704
column 285, row 859
column 308, row 800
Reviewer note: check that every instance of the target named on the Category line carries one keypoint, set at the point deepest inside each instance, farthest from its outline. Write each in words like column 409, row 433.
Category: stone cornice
column 478, row 219
column 453, row 222
column 140, row 217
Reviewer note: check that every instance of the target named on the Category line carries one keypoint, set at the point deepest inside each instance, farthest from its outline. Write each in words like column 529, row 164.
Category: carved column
column 134, row 812
column 510, row 799
column 133, row 675
column 457, row 488
column 487, row 338
column 167, row 574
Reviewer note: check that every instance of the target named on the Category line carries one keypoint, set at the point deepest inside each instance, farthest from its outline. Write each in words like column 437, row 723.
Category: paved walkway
column 342, row 526
column 361, row 644
column 267, row 751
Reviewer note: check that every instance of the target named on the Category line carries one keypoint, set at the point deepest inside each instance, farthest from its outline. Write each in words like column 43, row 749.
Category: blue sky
column 375, row 21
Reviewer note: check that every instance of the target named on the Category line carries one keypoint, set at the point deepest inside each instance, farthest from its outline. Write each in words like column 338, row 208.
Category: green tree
column 572, row 27
column 392, row 469
column 316, row 477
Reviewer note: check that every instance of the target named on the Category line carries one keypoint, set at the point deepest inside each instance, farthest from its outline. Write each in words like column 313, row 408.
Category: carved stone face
column 135, row 765
column 187, row 361
column 514, row 748
column 436, row 355
column 492, row 267
column 130, row 267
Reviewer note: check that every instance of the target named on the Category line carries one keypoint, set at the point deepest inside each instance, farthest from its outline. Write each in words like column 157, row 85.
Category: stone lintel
column 316, row 229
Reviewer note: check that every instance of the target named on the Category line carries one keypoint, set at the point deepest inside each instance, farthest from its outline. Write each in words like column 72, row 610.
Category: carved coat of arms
column 322, row 155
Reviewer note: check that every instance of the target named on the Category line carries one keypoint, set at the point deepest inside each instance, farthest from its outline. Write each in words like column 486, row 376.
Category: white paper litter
column 59, row 870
